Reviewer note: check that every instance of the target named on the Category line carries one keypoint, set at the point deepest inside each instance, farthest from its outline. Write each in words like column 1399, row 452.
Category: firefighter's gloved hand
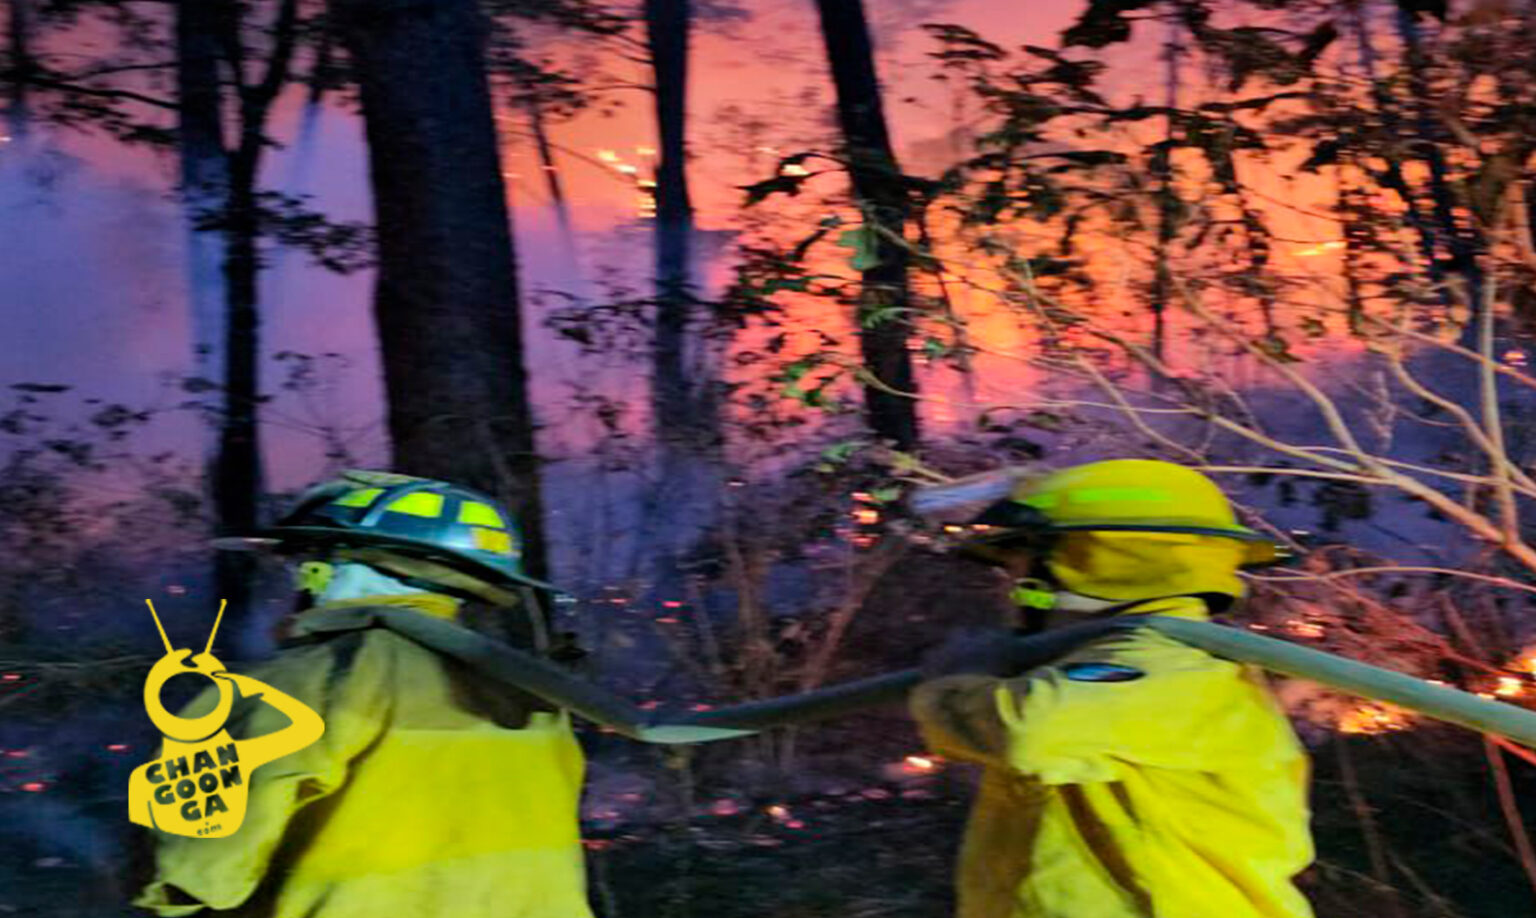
column 1002, row 653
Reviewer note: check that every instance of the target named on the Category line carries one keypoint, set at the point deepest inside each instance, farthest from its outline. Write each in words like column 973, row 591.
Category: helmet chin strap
column 1033, row 593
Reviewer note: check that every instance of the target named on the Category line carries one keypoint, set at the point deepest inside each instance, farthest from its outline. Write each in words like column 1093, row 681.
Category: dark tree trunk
column 878, row 185
column 1393, row 177
column 205, row 193
column 446, row 299
column 1463, row 243
column 19, row 28
column 237, row 471
column 1168, row 204
column 204, row 174
column 551, row 170
column 680, row 391
column 210, row 35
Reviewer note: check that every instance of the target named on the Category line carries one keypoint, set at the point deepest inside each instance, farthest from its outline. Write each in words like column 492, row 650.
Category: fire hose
column 555, row 685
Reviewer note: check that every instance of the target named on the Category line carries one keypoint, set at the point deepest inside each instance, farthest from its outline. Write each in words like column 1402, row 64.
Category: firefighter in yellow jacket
column 1129, row 776
column 427, row 793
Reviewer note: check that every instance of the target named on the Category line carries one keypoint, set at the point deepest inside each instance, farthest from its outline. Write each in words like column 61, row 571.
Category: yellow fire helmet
column 371, row 514
column 1116, row 528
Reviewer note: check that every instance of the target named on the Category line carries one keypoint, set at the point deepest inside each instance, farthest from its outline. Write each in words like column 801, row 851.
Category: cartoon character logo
column 198, row 787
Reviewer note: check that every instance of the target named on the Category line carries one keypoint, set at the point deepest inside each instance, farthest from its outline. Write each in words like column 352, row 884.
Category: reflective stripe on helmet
column 418, row 503
column 478, row 514
column 359, row 498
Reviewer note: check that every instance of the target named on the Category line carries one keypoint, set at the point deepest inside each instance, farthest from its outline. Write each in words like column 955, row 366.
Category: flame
column 1509, row 685
column 1368, row 719
column 1304, row 629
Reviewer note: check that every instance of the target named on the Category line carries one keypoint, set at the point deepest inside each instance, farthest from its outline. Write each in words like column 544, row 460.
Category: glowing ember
column 725, row 807
column 794, row 169
column 703, row 707
column 34, row 787
column 672, row 604
column 920, row 763
column 1509, row 685
column 608, row 156
column 11, row 677
column 867, row 515
column 118, row 747
column 626, row 168
column 1372, row 719
column 1304, row 629
column 779, row 811
column 667, row 620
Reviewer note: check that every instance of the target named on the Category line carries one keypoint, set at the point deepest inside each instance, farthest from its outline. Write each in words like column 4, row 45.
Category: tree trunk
column 551, row 171
column 446, row 299
column 204, row 175
column 878, row 185
column 237, row 470
column 684, row 418
column 1463, row 244
column 1167, row 198
column 19, row 28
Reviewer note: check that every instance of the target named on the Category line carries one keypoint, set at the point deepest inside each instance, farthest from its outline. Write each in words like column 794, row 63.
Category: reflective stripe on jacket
column 1135, row 778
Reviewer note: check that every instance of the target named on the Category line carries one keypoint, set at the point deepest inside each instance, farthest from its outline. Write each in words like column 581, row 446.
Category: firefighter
column 428, row 793
column 1130, row 776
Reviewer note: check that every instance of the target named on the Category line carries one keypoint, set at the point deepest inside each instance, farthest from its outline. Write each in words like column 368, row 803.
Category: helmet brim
column 295, row 539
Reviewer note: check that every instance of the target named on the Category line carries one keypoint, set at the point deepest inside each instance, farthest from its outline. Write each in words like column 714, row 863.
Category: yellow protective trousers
column 413, row 802
column 1134, row 778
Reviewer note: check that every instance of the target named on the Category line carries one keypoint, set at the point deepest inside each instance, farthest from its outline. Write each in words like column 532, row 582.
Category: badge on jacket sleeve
column 1101, row 672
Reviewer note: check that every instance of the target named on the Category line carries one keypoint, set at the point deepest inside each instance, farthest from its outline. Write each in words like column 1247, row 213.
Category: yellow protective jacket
column 1135, row 777
column 416, row 801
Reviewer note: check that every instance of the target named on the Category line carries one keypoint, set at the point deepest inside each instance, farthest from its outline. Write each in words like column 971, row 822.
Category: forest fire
column 702, row 296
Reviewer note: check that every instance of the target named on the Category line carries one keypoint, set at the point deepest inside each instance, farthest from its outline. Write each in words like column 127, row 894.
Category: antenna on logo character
column 167, row 641
column 161, row 628
column 220, row 618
